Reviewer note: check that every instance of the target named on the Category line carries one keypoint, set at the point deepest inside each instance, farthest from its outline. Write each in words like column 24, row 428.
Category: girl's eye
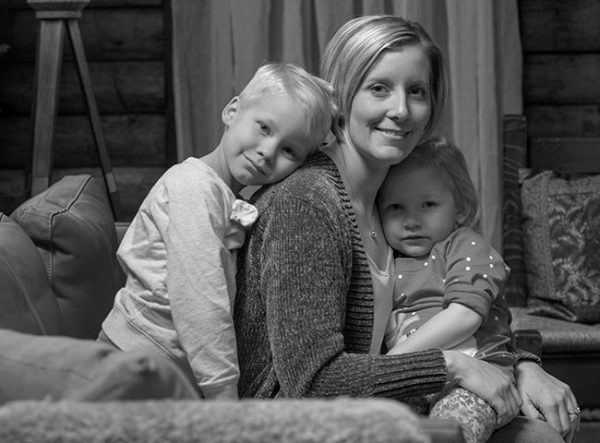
column 290, row 153
column 429, row 204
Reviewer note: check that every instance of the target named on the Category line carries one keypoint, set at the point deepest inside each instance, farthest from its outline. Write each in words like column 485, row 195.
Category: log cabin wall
column 125, row 48
column 126, row 51
column 561, row 67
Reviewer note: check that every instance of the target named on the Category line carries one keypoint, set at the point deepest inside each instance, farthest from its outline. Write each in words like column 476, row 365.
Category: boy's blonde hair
column 356, row 46
column 442, row 156
column 313, row 95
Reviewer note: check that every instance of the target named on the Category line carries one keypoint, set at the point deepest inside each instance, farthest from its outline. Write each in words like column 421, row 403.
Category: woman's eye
column 378, row 89
column 419, row 92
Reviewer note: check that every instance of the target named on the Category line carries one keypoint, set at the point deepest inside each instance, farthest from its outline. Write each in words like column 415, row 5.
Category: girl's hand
column 546, row 397
column 486, row 381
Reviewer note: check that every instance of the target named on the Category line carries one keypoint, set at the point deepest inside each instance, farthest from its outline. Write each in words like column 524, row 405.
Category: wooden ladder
column 55, row 17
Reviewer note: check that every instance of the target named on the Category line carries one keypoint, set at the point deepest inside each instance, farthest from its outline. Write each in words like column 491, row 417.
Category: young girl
column 179, row 253
column 449, row 283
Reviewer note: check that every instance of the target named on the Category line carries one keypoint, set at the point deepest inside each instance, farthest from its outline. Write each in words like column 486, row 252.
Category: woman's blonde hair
column 439, row 154
column 356, row 46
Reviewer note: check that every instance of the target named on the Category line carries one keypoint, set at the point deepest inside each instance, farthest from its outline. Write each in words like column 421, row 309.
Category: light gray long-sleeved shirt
column 179, row 256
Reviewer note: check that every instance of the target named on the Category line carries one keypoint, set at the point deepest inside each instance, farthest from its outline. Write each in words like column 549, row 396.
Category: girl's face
column 392, row 105
column 417, row 210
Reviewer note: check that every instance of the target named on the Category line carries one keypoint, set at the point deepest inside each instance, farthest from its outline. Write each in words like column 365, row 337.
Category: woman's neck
column 361, row 178
column 362, row 181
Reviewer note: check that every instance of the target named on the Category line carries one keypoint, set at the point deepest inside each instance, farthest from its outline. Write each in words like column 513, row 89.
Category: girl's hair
column 313, row 95
column 356, row 46
column 442, row 156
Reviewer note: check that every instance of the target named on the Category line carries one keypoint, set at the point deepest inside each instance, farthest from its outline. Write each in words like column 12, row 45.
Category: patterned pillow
column 561, row 238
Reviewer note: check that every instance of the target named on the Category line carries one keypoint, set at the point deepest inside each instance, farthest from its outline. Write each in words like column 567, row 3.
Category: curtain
column 218, row 44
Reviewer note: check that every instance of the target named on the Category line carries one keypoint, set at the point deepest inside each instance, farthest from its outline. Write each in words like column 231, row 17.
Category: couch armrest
column 291, row 420
column 529, row 340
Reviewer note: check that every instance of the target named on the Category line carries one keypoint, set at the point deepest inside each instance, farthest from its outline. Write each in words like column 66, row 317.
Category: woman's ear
column 230, row 110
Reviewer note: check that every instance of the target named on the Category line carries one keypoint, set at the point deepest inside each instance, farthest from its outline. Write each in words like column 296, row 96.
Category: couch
column 59, row 274
column 545, row 258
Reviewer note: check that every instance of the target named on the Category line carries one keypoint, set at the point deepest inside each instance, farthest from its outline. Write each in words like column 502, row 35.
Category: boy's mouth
column 256, row 166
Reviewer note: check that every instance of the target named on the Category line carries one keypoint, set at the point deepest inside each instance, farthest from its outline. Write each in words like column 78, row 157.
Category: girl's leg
column 475, row 416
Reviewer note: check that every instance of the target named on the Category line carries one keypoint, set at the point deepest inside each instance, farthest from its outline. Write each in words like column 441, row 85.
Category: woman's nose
column 398, row 106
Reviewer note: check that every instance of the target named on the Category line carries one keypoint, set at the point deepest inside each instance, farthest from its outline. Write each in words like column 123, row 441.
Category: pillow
column 63, row 368
column 72, row 226
column 27, row 303
column 561, row 237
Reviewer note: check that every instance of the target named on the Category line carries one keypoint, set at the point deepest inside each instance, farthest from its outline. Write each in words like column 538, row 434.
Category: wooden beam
column 121, row 87
column 560, row 26
column 135, row 140
column 566, row 79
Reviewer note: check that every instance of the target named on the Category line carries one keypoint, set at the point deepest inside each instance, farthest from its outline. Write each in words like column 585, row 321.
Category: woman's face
column 392, row 105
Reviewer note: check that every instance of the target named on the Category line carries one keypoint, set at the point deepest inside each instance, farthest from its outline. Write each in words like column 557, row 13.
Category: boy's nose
column 267, row 152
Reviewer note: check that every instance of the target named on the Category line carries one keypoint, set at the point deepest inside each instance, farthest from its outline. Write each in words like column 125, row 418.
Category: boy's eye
column 429, row 204
column 264, row 128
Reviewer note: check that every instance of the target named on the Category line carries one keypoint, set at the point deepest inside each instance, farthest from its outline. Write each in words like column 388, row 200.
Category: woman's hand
column 486, row 381
column 546, row 397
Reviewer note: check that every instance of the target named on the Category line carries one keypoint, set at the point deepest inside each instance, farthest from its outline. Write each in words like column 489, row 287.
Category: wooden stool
column 54, row 16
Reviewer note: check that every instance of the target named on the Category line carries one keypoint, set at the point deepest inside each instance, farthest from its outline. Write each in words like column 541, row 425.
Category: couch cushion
column 72, row 225
column 561, row 242
column 27, row 303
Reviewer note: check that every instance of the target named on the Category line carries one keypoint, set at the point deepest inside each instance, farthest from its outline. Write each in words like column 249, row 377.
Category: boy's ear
column 230, row 110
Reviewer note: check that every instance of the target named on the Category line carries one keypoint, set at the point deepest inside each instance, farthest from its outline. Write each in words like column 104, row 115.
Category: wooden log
column 120, row 87
column 565, row 154
column 95, row 4
column 558, row 25
column 566, row 79
column 13, row 189
column 134, row 140
column 563, row 121
column 107, row 34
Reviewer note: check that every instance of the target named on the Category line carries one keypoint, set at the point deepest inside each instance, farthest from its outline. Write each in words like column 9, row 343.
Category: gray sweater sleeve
column 299, row 266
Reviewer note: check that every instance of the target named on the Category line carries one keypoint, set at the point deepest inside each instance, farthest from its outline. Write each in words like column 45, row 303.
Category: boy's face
column 417, row 210
column 266, row 140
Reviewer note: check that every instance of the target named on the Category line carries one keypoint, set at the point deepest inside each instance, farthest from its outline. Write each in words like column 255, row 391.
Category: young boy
column 179, row 253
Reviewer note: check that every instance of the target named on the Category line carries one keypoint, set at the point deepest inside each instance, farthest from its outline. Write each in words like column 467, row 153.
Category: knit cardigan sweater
column 304, row 307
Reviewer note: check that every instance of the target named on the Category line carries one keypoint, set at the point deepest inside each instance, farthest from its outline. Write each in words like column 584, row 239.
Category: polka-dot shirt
column 461, row 269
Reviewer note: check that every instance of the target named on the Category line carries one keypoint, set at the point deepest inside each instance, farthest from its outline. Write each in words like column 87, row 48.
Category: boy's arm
column 198, row 267
column 444, row 330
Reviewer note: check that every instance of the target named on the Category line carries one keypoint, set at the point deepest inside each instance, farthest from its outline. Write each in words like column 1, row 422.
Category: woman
column 314, row 285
